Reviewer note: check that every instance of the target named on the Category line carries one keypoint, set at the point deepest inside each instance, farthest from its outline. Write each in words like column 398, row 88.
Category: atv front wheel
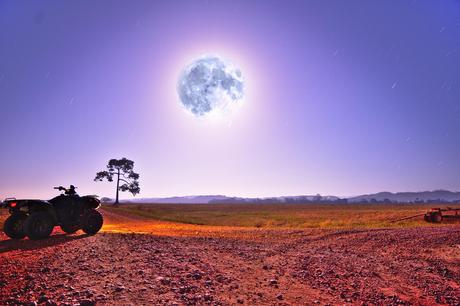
column 70, row 229
column 13, row 226
column 38, row 225
column 92, row 222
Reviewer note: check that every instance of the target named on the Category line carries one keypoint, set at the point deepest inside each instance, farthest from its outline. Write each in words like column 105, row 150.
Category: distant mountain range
column 381, row 197
column 405, row 197
column 201, row 199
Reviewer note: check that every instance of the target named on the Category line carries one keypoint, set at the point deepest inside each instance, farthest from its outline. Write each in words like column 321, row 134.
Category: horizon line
column 281, row 196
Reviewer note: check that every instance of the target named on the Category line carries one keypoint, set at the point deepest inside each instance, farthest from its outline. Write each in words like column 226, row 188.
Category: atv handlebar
column 63, row 188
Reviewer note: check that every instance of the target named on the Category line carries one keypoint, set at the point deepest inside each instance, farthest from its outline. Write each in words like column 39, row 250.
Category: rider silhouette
column 71, row 191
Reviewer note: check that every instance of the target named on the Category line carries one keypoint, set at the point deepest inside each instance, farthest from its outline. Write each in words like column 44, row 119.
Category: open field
column 290, row 255
column 328, row 216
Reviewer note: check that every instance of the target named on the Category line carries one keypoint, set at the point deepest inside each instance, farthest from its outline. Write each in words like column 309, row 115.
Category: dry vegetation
column 329, row 216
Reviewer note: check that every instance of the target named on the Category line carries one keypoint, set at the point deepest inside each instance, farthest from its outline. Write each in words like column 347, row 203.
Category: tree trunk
column 118, row 188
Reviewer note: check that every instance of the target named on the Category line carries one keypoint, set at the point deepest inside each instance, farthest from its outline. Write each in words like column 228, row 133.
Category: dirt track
column 175, row 264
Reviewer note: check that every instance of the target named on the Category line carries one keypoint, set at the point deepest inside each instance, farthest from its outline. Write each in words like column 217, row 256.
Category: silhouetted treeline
column 419, row 201
column 325, row 200
column 287, row 200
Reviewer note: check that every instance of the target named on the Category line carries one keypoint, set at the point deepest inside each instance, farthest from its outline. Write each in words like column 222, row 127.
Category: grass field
column 283, row 215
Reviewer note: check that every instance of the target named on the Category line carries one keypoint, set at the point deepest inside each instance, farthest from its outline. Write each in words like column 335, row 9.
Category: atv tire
column 38, row 225
column 69, row 228
column 92, row 222
column 14, row 226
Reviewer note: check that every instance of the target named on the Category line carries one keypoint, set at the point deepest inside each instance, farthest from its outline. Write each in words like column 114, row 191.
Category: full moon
column 211, row 85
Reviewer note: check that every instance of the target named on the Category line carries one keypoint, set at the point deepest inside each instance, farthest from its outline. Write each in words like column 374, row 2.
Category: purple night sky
column 342, row 97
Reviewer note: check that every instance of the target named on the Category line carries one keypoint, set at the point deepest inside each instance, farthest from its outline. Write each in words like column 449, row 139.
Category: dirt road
column 136, row 261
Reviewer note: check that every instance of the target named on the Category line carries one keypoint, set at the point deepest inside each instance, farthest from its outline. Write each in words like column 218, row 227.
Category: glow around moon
column 210, row 86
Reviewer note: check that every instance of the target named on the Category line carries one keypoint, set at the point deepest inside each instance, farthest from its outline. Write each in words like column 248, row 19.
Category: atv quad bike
column 37, row 218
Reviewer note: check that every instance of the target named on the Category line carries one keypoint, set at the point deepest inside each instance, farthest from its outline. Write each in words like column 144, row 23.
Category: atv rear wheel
column 38, row 225
column 69, row 228
column 14, row 226
column 92, row 222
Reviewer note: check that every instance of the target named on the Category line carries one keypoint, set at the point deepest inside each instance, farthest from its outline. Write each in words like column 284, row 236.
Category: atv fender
column 40, row 205
column 91, row 202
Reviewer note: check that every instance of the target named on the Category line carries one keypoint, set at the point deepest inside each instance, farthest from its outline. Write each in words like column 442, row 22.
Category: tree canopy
column 122, row 170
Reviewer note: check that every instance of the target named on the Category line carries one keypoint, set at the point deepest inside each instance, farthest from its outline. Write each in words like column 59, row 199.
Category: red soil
column 175, row 264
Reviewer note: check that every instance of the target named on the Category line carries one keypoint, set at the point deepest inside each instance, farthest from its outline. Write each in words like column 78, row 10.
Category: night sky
column 341, row 97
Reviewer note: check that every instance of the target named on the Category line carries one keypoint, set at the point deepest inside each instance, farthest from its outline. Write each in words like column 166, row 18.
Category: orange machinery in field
column 437, row 214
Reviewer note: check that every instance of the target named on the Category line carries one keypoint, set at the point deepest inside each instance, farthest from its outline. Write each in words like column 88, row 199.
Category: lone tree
column 122, row 169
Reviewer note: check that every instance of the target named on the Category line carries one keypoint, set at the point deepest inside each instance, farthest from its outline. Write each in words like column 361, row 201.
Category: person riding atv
column 37, row 218
column 71, row 191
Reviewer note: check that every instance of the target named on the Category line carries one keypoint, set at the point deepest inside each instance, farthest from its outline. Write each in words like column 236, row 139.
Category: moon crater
column 210, row 85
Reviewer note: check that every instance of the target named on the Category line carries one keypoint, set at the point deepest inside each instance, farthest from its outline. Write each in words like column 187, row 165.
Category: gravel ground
column 189, row 266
